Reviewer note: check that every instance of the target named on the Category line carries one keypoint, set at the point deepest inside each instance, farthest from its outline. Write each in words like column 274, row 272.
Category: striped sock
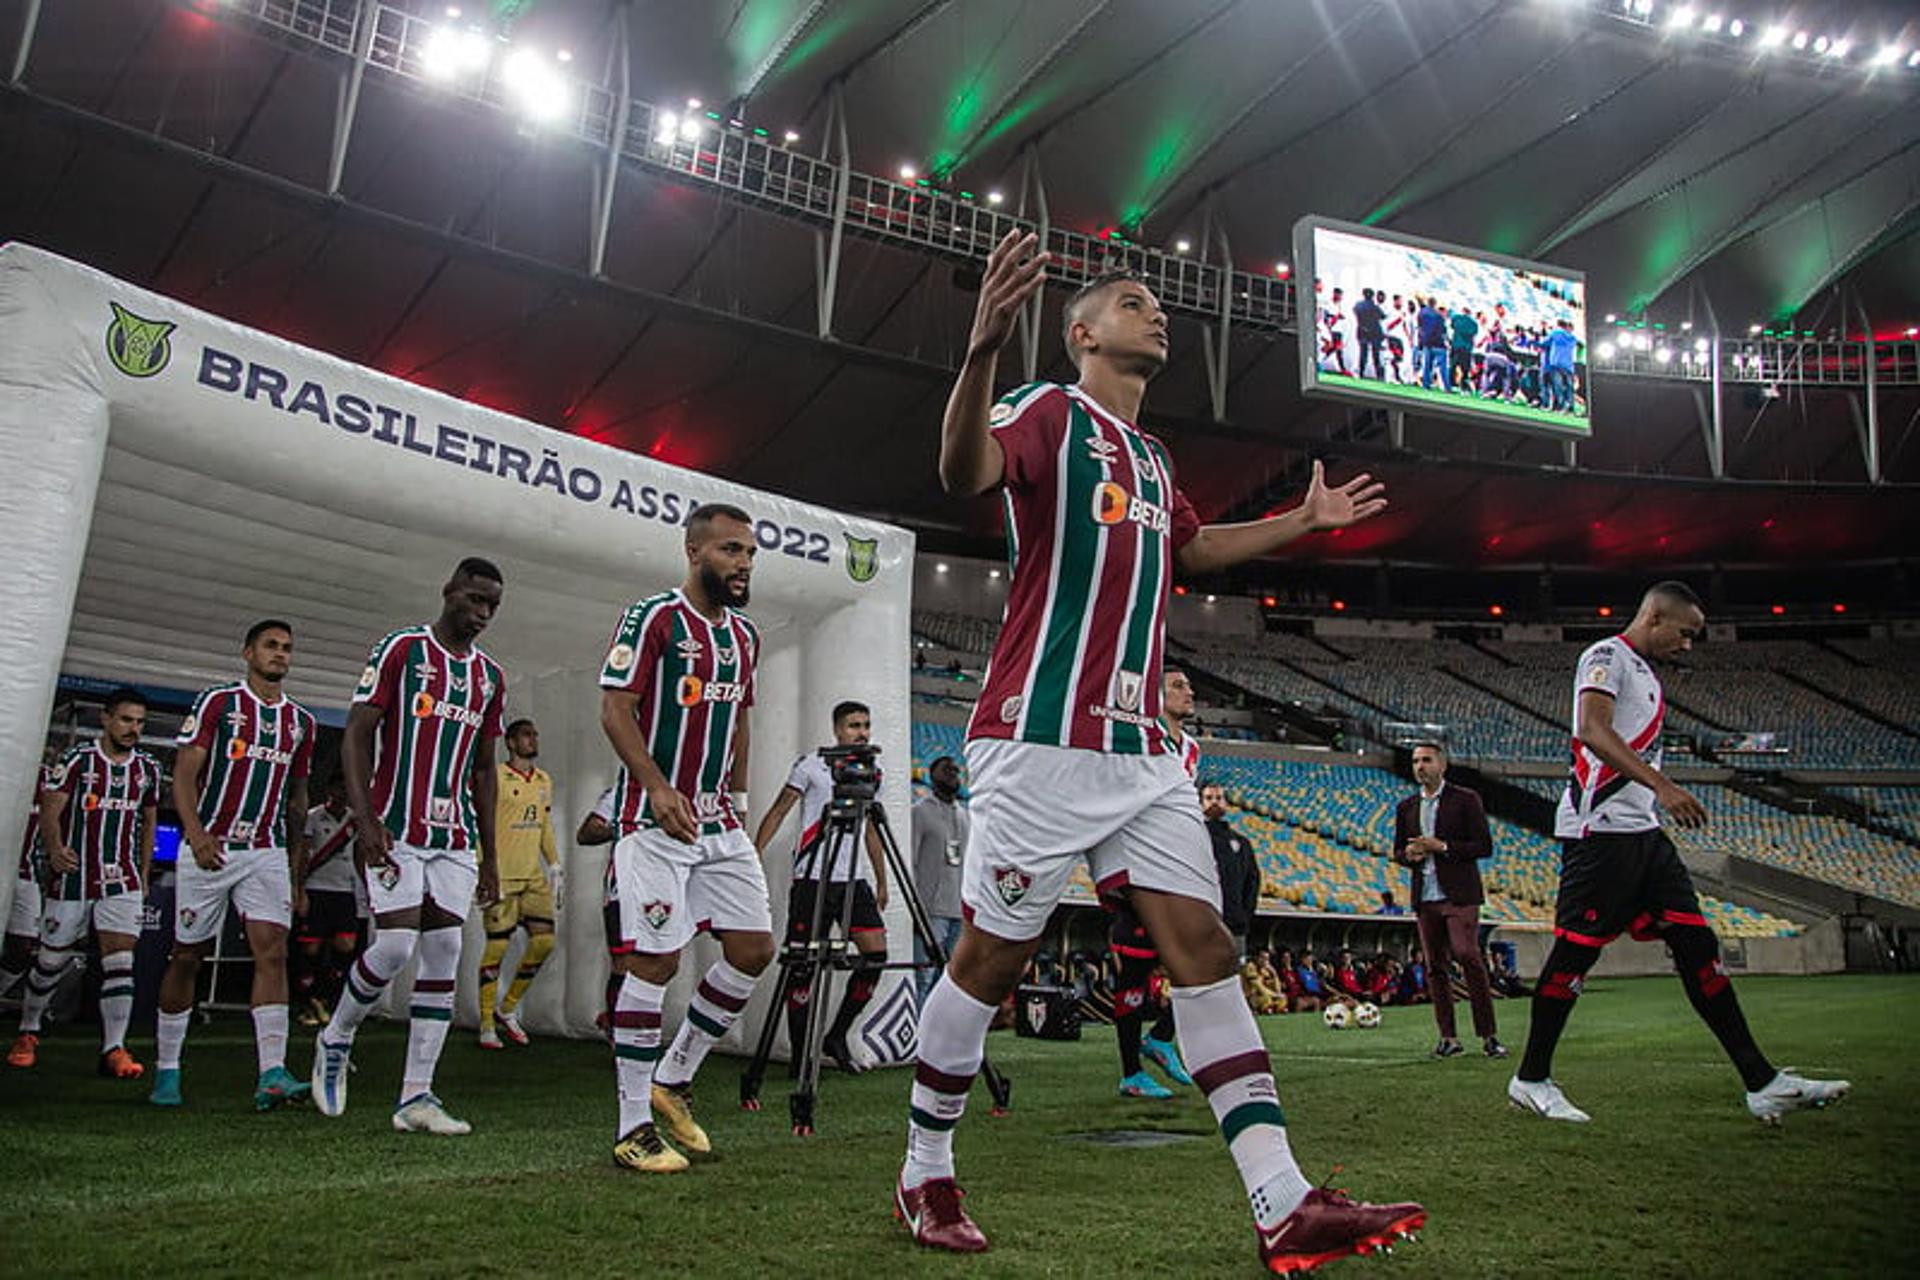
column 116, row 999
column 431, row 1012
column 953, row 1038
column 170, row 1037
column 1222, row 1047
column 49, row 966
column 636, row 1048
column 718, row 1000
column 270, row 1036
column 367, row 980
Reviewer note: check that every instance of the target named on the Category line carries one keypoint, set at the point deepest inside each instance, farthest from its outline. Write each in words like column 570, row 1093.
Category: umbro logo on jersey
column 424, row 671
column 690, row 648
column 236, row 720
column 1011, row 883
column 1102, row 450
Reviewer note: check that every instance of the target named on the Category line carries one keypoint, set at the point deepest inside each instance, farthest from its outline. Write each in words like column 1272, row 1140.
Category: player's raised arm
column 1221, row 546
column 971, row 461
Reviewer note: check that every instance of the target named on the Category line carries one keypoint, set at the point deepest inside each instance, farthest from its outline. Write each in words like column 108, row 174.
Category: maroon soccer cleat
column 932, row 1212
column 1328, row 1225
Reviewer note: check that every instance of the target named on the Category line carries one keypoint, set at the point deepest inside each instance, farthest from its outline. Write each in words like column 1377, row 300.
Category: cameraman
column 810, row 785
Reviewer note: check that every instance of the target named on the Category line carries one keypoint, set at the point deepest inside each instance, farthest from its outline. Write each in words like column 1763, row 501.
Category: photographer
column 810, row 785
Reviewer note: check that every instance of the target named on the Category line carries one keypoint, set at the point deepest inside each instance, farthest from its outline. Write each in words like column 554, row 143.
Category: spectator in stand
column 1388, row 907
column 1313, row 994
column 1348, row 977
column 1265, row 994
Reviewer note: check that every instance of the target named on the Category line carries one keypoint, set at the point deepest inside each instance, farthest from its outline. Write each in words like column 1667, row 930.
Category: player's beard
column 720, row 591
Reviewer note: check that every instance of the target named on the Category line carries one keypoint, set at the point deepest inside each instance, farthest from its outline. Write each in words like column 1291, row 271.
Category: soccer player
column 1133, row 954
column 327, row 933
column 418, row 759
column 810, row 785
column 240, row 790
column 97, row 819
column 675, row 696
column 529, row 884
column 23, row 917
column 1067, row 753
column 1619, row 871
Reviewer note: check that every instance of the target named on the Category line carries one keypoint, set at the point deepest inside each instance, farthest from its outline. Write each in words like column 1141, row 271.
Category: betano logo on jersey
column 241, row 749
column 694, row 691
column 93, row 801
column 426, row 706
column 138, row 348
column 1113, row 504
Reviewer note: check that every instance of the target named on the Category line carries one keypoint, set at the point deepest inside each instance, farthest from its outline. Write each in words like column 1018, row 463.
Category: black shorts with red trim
column 800, row 903
column 1128, row 938
column 331, row 913
column 1619, row 882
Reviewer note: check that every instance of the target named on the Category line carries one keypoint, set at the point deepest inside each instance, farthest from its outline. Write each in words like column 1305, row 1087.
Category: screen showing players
column 1437, row 329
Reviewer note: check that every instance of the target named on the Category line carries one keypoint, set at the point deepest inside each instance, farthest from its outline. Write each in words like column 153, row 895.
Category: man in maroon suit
column 1441, row 834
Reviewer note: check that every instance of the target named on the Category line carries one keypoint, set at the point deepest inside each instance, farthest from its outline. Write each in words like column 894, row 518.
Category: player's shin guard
column 860, row 986
column 48, row 967
column 269, row 1036
column 367, row 981
column 716, row 1002
column 430, row 1016
column 636, row 1048
column 1223, row 1050
column 953, row 1039
column 539, row 947
column 116, row 999
column 490, row 958
column 1696, row 954
column 1561, row 979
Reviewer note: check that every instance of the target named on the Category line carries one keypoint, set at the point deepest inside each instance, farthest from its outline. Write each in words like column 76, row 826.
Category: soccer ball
column 1337, row 1017
column 1367, row 1017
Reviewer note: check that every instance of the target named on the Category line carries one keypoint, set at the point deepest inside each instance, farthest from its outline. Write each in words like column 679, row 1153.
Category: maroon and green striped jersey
column 1093, row 520
column 440, row 706
column 694, row 678
column 106, row 799
column 256, row 751
column 32, row 857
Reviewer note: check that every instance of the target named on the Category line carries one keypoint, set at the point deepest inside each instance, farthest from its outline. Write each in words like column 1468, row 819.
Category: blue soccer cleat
column 166, row 1088
column 1163, row 1054
column 1142, row 1085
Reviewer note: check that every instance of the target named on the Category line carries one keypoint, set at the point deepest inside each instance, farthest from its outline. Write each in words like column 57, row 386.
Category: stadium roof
column 186, row 149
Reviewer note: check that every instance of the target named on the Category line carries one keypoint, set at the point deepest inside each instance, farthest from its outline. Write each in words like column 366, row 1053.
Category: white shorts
column 256, row 880
column 64, row 921
column 447, row 877
column 668, row 891
column 23, row 920
column 1037, row 810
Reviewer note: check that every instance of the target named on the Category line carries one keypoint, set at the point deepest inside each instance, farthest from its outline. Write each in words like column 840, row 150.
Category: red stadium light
column 1179, row 591
column 1498, row 611
column 1839, row 608
column 1339, row 606
column 1767, row 523
column 1606, row 611
column 1779, row 609
column 1270, row 601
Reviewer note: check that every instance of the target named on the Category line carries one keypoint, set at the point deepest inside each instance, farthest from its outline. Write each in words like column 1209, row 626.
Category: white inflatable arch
column 170, row 477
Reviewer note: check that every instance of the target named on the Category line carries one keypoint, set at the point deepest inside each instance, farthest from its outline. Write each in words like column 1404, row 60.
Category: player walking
column 530, row 884
column 1067, row 753
column 418, row 760
column 675, row 694
column 240, row 790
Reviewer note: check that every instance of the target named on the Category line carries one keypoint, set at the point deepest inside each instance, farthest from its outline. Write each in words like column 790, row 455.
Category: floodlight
column 533, row 82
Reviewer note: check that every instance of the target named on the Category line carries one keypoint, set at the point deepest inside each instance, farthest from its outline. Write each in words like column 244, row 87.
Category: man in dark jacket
column 1441, row 834
column 1239, row 872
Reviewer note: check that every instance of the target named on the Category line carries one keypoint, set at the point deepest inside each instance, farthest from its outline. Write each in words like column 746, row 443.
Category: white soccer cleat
column 331, row 1063
column 489, row 1038
column 423, row 1113
column 1789, row 1092
column 507, row 1024
column 1544, row 1098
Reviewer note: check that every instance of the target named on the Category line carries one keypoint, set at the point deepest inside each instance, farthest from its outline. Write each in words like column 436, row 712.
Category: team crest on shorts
column 388, row 876
column 656, row 914
column 1011, row 883
column 188, row 915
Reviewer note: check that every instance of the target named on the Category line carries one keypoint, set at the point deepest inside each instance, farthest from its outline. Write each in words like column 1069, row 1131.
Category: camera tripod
column 824, row 950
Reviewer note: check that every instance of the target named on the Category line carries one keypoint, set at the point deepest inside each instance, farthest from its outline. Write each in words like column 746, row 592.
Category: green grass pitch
column 1414, row 394
column 1671, row 1179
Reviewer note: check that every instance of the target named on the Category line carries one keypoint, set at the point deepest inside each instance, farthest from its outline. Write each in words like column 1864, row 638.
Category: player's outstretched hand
column 1015, row 272
column 1681, row 806
column 1335, row 508
column 674, row 814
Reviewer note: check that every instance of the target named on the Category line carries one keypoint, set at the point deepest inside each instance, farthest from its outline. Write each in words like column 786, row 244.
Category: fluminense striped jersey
column 1093, row 519
column 32, row 857
column 256, row 751
column 440, row 706
column 106, row 800
column 693, row 679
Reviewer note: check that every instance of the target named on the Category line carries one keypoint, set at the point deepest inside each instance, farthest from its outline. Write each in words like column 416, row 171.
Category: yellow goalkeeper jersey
column 523, row 823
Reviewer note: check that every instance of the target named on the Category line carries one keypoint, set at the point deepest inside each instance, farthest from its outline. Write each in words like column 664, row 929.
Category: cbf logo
column 138, row 348
column 863, row 558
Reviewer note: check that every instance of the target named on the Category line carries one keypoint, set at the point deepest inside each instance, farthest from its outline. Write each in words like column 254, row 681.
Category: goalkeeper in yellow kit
column 530, row 884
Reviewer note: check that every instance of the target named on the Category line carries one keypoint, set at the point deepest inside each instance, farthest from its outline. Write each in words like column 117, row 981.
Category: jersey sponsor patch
column 620, row 658
column 1596, row 675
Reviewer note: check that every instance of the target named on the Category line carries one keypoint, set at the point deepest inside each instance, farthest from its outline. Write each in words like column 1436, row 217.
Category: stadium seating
column 1825, row 848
